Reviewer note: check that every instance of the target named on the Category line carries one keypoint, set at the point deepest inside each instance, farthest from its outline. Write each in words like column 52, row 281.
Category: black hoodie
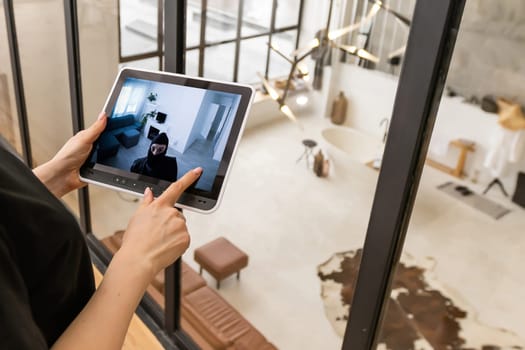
column 159, row 166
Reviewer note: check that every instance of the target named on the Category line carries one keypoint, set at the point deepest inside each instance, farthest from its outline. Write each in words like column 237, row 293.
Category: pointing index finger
column 174, row 191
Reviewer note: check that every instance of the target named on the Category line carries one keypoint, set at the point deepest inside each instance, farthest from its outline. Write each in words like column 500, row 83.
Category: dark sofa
column 122, row 130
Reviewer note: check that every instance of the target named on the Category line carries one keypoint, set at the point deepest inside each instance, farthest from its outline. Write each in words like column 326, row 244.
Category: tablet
column 160, row 125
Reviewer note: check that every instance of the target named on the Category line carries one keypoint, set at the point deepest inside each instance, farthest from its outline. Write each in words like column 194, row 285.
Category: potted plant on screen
column 152, row 97
column 145, row 116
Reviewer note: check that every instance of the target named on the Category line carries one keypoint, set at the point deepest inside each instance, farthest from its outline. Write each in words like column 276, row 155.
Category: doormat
column 474, row 200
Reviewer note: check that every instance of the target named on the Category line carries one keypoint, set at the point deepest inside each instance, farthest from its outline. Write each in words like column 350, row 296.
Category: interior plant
column 152, row 97
column 145, row 116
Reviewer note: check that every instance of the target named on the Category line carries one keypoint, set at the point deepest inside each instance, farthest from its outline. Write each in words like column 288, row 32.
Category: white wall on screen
column 210, row 116
column 206, row 110
column 181, row 105
column 221, row 142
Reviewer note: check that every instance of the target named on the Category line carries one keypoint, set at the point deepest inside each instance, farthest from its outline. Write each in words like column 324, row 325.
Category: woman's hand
column 61, row 174
column 157, row 234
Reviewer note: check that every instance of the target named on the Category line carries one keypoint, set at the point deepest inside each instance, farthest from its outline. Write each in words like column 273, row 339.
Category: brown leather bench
column 209, row 319
column 221, row 258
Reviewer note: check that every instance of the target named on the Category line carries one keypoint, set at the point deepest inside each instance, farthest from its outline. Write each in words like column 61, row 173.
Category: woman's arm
column 156, row 236
column 61, row 174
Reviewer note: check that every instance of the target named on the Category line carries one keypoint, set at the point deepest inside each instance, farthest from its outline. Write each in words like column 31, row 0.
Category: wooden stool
column 221, row 259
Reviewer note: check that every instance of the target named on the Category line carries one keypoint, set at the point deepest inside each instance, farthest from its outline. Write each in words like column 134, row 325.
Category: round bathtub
column 343, row 144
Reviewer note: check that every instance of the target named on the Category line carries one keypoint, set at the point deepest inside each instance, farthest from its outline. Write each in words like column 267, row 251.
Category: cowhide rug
column 419, row 314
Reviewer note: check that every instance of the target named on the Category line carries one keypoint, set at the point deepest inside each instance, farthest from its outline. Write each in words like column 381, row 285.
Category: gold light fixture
column 279, row 99
column 318, row 48
column 401, row 18
column 397, row 54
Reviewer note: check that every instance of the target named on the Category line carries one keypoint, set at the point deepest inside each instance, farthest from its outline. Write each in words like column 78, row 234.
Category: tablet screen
column 159, row 128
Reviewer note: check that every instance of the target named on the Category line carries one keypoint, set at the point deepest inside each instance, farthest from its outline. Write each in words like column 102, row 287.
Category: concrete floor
column 289, row 221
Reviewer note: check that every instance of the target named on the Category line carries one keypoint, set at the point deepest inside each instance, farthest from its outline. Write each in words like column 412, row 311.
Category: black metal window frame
column 431, row 42
column 203, row 44
column 18, row 83
column 158, row 52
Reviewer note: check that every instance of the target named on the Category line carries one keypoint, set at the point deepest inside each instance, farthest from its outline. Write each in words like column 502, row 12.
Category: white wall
column 208, row 121
column 488, row 57
column 181, row 104
column 207, row 111
column 371, row 97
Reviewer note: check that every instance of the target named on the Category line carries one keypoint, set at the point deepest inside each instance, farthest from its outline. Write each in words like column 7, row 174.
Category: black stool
column 308, row 151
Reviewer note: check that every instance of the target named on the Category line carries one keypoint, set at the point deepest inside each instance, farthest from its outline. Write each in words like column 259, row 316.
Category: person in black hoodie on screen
column 157, row 164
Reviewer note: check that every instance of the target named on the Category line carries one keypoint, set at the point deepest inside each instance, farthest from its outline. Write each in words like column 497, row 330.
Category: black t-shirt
column 46, row 277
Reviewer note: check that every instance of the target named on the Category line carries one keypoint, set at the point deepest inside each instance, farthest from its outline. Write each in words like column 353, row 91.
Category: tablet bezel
column 193, row 198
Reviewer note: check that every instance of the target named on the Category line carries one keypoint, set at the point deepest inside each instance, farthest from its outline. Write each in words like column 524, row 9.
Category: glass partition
column 221, row 20
column 138, row 25
column 46, row 86
column 252, row 58
column 285, row 13
column 298, row 199
column 9, row 128
column 302, row 232
column 110, row 210
column 257, row 17
column 193, row 23
column 218, row 62
column 285, row 43
column 459, row 283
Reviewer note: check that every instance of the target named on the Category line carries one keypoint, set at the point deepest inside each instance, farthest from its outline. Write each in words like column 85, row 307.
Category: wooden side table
column 465, row 147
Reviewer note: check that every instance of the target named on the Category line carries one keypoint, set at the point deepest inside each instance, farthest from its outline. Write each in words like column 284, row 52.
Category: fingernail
column 147, row 191
column 197, row 171
column 101, row 116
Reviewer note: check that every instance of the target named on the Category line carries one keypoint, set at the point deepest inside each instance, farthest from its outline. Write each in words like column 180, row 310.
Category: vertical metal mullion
column 18, row 82
column 175, row 37
column 299, row 23
column 240, row 14
column 202, row 38
column 75, row 89
column 272, row 29
column 429, row 50
column 160, row 31
column 172, row 294
column 119, row 33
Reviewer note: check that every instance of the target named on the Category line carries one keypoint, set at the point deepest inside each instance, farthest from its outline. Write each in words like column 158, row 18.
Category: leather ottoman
column 221, row 259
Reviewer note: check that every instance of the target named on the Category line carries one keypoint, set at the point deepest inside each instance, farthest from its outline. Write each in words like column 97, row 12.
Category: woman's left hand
column 61, row 174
